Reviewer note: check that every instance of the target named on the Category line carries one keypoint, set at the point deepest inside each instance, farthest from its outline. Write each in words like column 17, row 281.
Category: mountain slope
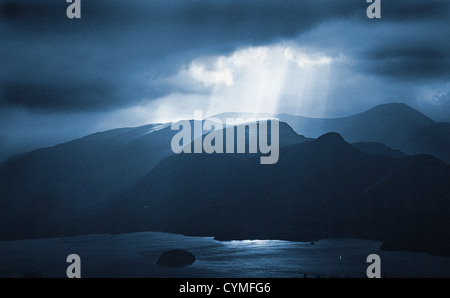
column 54, row 191
column 321, row 188
column 61, row 182
column 374, row 148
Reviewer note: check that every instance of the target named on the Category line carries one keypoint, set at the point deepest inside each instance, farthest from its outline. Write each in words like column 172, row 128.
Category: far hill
column 396, row 125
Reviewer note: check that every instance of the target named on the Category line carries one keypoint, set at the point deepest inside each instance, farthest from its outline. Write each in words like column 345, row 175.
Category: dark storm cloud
column 123, row 45
column 414, row 10
column 113, row 55
column 415, row 47
column 411, row 62
column 80, row 95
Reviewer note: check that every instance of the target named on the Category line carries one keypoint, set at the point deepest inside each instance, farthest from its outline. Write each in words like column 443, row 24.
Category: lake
column 135, row 256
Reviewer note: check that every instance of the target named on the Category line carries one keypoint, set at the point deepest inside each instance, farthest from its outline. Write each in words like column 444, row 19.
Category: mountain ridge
column 395, row 125
column 316, row 191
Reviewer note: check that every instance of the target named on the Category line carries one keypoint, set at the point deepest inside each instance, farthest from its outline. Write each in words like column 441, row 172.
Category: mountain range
column 395, row 125
column 319, row 189
column 128, row 180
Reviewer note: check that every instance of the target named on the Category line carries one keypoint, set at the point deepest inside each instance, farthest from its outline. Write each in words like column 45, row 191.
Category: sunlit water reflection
column 135, row 255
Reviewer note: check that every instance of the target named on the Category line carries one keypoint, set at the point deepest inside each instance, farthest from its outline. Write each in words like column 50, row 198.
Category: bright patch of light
column 253, row 243
column 218, row 75
column 302, row 59
column 270, row 79
column 157, row 127
column 283, row 78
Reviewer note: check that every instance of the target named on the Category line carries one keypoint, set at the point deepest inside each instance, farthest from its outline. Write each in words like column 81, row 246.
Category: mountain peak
column 331, row 137
column 332, row 141
column 399, row 107
column 399, row 111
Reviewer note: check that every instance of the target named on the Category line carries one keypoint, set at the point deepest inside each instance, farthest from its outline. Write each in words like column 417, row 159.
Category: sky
column 128, row 63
